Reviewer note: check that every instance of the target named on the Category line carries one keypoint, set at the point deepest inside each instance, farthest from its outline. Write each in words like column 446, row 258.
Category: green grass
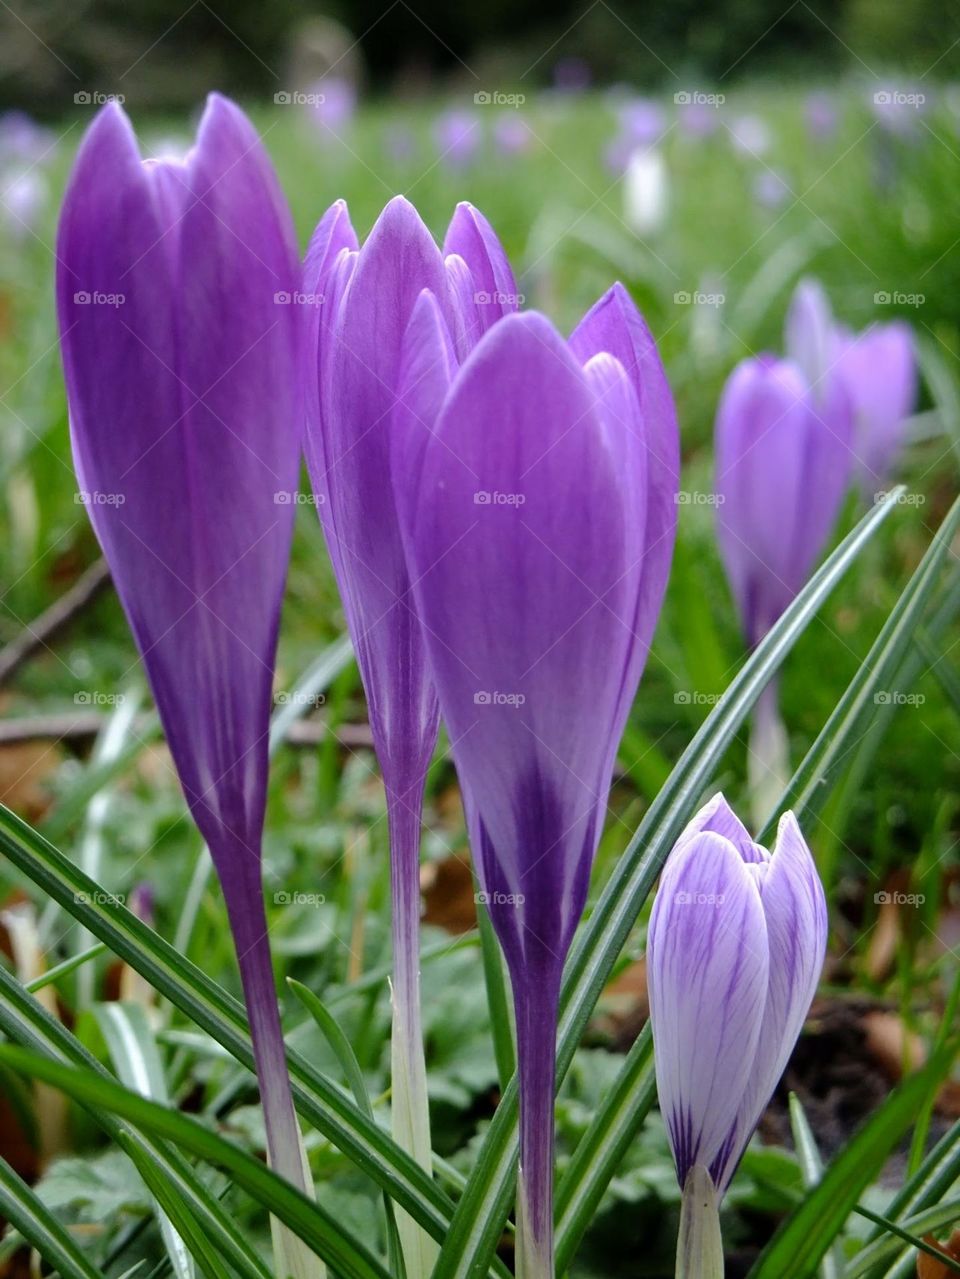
column 559, row 213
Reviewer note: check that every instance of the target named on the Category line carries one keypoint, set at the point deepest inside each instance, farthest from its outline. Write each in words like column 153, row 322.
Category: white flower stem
column 409, row 1104
column 699, row 1244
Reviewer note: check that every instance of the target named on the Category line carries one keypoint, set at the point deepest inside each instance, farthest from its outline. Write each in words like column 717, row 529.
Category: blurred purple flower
column 821, row 116
column 642, row 121
column 698, row 119
column 23, row 198
column 879, row 370
column 182, row 387
column 735, row 948
column 332, row 105
column 458, row 135
column 23, row 140
column 539, row 515
column 782, row 467
column 771, row 190
column 750, row 135
column 399, row 143
column 354, row 344
column 572, row 75
column 511, row 134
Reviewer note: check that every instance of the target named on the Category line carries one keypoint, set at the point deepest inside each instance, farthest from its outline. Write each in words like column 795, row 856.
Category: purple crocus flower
column 878, row 367
column 771, row 190
column 821, row 116
column 735, row 948
column 539, row 515
column 642, row 121
column 782, row 468
column 512, row 135
column 332, row 104
column 355, row 345
column 457, row 134
column 182, row 387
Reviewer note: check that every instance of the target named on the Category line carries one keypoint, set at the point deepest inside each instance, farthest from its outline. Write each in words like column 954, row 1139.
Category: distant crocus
column 783, row 465
column 697, row 119
column 539, row 514
column 643, row 121
column 458, row 135
column 750, row 135
column 879, row 371
column 771, row 190
column 735, row 948
column 23, row 198
column 821, row 116
column 353, row 376
column 182, row 387
column 511, row 135
column 332, row 104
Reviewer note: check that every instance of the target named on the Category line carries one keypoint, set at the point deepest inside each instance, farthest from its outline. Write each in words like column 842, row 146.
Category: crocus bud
column 879, row 370
column 735, row 947
column 353, row 372
column 180, row 359
column 782, row 468
column 539, row 515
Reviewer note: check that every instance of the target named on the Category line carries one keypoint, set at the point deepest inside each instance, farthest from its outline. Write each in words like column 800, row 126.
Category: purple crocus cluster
column 499, row 502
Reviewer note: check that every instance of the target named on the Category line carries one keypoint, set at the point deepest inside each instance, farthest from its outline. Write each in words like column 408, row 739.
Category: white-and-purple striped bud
column 735, row 948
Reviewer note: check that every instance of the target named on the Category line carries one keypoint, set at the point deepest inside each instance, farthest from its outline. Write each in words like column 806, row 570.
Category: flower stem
column 409, row 1106
column 699, row 1244
column 768, row 758
column 536, row 1000
column 248, row 923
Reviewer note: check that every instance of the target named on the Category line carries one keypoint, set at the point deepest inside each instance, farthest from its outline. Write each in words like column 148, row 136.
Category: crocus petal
column 615, row 325
column 707, row 971
column 471, row 237
column 879, row 371
column 358, row 370
column 796, row 915
column 717, row 816
column 183, row 399
column 808, row 334
column 519, row 544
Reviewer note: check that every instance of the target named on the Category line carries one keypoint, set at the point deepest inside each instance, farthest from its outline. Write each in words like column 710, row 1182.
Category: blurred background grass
column 802, row 169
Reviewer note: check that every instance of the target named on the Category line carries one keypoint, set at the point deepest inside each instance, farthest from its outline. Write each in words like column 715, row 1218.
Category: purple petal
column 717, row 816
column 520, row 545
column 879, row 370
column 707, row 972
column 809, row 331
column 359, row 368
column 616, row 326
column 184, row 407
column 471, row 237
column 796, row 913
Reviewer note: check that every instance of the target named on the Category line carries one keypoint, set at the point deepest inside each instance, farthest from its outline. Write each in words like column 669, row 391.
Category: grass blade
column 34, row 1220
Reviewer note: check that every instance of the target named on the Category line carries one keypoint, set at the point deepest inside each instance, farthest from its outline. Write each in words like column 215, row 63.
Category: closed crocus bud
column 352, row 383
column 782, row 468
column 539, row 516
column 182, row 387
column 735, row 948
column 879, row 371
